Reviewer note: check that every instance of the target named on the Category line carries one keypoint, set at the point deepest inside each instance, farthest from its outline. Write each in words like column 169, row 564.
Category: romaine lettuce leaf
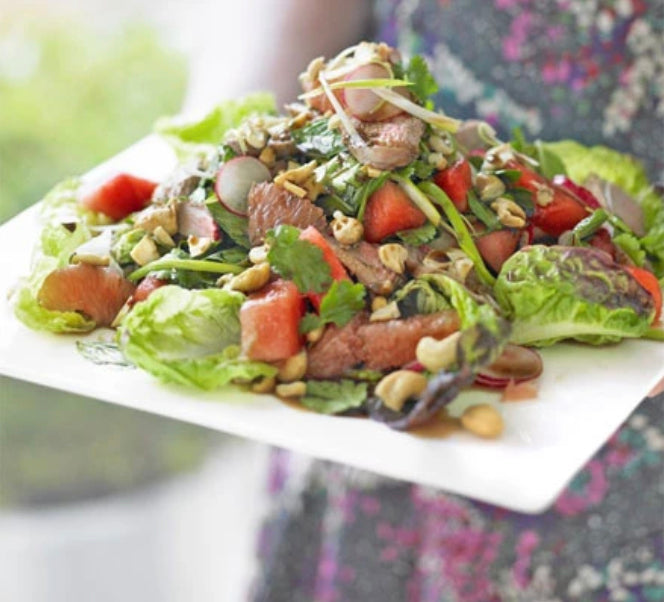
column 627, row 173
column 189, row 337
column 555, row 293
column 56, row 245
column 334, row 397
column 192, row 139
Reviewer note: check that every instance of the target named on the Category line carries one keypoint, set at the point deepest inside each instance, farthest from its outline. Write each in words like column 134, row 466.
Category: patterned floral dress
column 583, row 68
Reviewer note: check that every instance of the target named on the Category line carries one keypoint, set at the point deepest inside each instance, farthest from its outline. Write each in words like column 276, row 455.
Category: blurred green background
column 72, row 94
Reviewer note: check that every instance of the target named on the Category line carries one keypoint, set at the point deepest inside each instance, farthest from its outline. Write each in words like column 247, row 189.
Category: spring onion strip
column 420, row 199
column 353, row 134
column 193, row 265
column 359, row 83
column 461, row 232
column 438, row 120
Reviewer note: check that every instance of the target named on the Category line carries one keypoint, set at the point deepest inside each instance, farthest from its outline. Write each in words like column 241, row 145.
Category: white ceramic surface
column 584, row 394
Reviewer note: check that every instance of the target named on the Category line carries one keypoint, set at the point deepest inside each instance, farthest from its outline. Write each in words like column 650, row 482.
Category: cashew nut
column 436, row 354
column 378, row 302
column 294, row 389
column 293, row 368
column 440, row 144
column 437, row 160
column 393, row 256
column 252, row 279
column 399, row 386
column 198, row 245
column 489, row 186
column 158, row 215
column 313, row 336
column 264, row 385
column 483, row 420
column 509, row 213
column 347, row 230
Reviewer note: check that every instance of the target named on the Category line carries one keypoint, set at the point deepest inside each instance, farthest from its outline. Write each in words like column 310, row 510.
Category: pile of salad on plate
column 362, row 252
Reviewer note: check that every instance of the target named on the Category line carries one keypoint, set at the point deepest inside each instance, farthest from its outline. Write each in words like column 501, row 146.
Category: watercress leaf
column 297, row 260
column 334, row 397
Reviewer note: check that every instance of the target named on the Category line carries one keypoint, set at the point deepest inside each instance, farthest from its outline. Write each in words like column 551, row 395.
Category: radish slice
column 516, row 364
column 234, row 180
column 362, row 102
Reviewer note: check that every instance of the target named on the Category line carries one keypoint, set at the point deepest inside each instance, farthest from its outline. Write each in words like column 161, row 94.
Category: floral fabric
column 338, row 534
column 588, row 69
column 592, row 70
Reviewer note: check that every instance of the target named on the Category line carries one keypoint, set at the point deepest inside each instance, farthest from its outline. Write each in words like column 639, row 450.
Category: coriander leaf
column 342, row 302
column 415, row 237
column 338, row 306
column 334, row 397
column 424, row 85
column 482, row 212
column 297, row 260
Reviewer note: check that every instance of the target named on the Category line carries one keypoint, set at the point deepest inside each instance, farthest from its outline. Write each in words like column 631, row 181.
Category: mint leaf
column 334, row 397
column 297, row 260
column 338, row 306
column 424, row 84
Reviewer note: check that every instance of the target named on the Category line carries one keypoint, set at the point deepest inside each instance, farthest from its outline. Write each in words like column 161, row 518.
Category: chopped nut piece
column 483, row 420
column 198, row 245
column 294, row 368
column 163, row 238
column 264, row 385
column 145, row 251
column 388, row 312
column 258, row 254
column 436, row 354
column 252, row 279
column 295, row 189
column 268, row 156
column 393, row 256
column 346, row 230
column 295, row 389
column 509, row 213
column 158, row 215
column 489, row 186
column 378, row 303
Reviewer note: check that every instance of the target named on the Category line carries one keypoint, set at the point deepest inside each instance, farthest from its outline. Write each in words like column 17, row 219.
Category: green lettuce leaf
column 334, row 397
column 199, row 138
column 56, row 245
column 627, row 173
column 555, row 293
column 189, row 337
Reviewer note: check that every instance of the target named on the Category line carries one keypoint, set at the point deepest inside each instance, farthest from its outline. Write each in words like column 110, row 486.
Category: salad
column 361, row 252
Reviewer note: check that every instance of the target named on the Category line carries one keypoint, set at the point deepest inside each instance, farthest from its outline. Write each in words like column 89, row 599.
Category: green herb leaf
column 363, row 193
column 424, row 84
column 482, row 212
column 235, row 226
column 415, row 237
column 550, row 164
column 297, row 260
column 338, row 306
column 334, row 397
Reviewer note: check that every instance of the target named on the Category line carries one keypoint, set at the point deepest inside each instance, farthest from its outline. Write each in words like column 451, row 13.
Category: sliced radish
column 363, row 103
column 234, row 180
column 515, row 364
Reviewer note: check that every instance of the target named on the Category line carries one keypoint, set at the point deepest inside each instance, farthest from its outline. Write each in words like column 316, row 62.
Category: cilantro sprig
column 297, row 260
column 338, row 306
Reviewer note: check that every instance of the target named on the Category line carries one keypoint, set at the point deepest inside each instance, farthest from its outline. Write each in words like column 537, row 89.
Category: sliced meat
column 180, row 184
column 195, row 219
column 95, row 291
column 392, row 344
column 389, row 144
column 270, row 205
column 375, row 345
column 337, row 351
column 363, row 262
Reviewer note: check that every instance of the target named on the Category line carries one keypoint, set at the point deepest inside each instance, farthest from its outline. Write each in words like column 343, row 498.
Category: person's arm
column 255, row 45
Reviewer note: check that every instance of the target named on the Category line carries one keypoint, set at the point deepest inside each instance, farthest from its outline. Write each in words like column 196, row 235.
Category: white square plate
column 584, row 395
